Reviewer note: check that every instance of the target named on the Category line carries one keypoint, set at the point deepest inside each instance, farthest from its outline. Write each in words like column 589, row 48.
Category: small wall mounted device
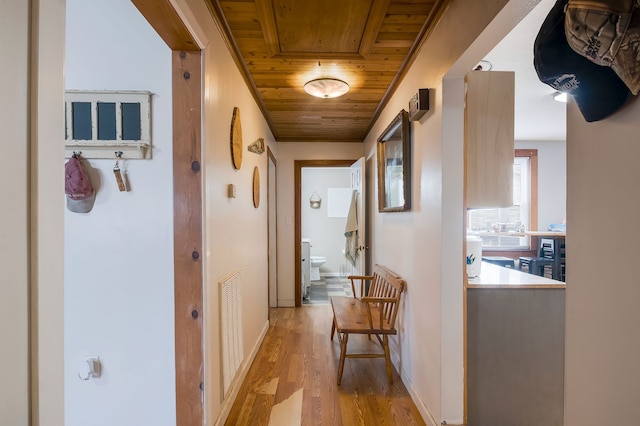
column 419, row 104
column 231, row 191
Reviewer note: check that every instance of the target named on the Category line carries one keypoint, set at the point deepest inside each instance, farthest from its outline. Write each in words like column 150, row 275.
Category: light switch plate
column 231, row 191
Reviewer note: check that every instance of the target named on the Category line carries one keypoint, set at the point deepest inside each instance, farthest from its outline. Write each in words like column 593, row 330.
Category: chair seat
column 351, row 316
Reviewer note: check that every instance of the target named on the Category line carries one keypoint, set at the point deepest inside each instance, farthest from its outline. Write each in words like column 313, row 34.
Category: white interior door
column 358, row 184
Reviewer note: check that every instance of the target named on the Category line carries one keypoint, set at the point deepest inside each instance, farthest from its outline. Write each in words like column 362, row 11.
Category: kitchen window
column 500, row 228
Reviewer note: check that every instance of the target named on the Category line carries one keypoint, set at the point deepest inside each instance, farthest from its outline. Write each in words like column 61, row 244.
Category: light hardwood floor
column 293, row 379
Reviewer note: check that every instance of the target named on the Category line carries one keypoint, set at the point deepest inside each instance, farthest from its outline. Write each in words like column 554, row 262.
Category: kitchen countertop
column 521, row 234
column 494, row 276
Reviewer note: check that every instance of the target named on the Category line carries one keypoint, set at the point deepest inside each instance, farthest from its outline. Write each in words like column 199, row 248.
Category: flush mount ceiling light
column 560, row 97
column 326, row 88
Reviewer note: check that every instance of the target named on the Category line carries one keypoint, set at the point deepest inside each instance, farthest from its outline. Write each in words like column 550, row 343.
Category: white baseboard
column 422, row 407
column 237, row 383
column 286, row 303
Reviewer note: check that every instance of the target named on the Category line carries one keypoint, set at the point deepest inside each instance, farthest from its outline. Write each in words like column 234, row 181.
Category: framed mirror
column 394, row 166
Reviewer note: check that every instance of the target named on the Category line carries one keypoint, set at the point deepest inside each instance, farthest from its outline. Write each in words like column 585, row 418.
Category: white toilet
column 316, row 263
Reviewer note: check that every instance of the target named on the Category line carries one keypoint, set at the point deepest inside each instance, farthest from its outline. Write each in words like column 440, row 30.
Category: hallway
column 293, row 379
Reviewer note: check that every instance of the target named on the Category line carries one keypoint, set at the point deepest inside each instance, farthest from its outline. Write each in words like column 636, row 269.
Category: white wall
column 46, row 211
column 326, row 233
column 14, row 221
column 429, row 351
column 236, row 232
column 602, row 377
column 119, row 301
column 552, row 180
column 452, row 348
column 287, row 153
column 31, row 173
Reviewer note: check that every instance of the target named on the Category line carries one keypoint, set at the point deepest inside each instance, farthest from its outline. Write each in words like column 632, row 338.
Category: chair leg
column 343, row 353
column 333, row 327
column 387, row 358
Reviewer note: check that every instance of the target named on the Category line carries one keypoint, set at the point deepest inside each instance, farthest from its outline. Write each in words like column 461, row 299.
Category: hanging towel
column 351, row 231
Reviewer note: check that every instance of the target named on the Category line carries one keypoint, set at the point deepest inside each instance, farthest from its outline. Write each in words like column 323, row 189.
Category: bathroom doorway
column 324, row 196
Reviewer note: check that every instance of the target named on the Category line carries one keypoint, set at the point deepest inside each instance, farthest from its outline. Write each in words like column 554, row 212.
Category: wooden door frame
column 298, row 165
column 187, row 237
column 188, row 227
column 272, row 197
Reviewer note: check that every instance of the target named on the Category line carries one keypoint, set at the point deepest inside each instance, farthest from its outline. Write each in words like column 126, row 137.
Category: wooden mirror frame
column 399, row 133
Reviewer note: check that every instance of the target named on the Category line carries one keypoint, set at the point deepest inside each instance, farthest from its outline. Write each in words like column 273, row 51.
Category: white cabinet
column 305, row 257
column 489, row 122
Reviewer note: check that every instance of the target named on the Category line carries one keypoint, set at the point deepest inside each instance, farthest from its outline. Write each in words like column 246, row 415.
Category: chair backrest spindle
column 384, row 284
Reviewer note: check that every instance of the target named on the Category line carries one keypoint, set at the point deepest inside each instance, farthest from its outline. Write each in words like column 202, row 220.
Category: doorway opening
column 323, row 191
column 326, row 197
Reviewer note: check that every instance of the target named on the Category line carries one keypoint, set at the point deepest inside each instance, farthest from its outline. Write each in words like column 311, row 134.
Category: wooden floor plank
column 287, row 412
column 297, row 357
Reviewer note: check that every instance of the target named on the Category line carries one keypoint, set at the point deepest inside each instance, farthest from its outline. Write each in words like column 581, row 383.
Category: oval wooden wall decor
column 256, row 187
column 236, row 139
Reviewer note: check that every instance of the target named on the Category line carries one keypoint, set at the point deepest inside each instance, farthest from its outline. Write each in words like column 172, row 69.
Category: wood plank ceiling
column 279, row 45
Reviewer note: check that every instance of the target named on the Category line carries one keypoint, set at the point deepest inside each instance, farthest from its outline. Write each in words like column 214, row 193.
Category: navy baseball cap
column 597, row 90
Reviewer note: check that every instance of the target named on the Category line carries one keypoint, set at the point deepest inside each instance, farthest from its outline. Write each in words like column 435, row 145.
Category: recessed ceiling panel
column 329, row 26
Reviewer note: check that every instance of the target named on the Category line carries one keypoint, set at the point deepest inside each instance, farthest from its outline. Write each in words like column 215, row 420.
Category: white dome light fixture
column 326, row 88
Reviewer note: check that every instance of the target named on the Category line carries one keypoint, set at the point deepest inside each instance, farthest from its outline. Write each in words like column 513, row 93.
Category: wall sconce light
column 257, row 147
column 315, row 200
column 326, row 88
column 560, row 97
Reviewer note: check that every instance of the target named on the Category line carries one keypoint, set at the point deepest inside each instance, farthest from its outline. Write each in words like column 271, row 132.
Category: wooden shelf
column 92, row 150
